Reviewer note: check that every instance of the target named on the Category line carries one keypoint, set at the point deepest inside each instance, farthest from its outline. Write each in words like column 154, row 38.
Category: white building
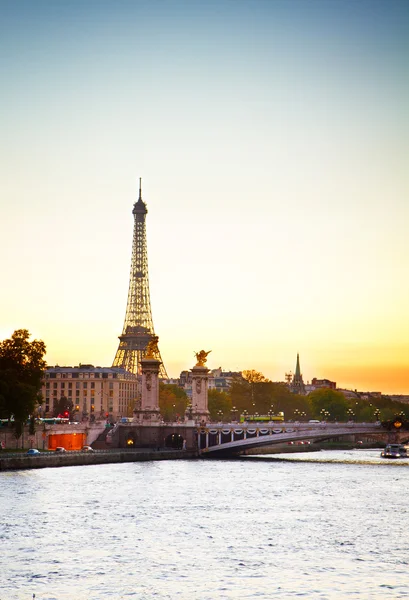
column 101, row 392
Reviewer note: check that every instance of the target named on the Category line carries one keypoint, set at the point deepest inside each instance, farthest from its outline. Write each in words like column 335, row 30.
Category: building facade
column 96, row 392
column 217, row 380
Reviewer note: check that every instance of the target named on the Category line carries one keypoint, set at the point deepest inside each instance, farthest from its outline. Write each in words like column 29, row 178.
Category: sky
column 272, row 139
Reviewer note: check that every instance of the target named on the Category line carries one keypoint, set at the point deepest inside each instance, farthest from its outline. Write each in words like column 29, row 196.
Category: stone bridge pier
column 179, row 436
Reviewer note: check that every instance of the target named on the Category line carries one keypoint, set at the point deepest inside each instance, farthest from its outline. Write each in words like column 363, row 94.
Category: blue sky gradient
column 272, row 139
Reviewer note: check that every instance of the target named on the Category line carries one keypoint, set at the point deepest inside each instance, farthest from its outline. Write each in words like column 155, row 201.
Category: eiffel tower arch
column 138, row 328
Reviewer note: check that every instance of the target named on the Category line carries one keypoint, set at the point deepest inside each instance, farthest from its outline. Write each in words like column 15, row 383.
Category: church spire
column 297, row 367
column 297, row 385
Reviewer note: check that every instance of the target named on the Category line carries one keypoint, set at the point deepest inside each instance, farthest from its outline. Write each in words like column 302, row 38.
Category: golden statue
column 201, row 358
column 152, row 350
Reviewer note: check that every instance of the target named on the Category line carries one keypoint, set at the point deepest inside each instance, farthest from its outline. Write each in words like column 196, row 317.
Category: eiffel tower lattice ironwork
column 138, row 328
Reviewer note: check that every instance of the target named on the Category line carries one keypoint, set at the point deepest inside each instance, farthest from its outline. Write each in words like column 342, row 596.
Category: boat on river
column 394, row 451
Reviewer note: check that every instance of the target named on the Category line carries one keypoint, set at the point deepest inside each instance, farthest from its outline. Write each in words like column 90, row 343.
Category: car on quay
column 60, row 449
column 87, row 449
column 33, row 452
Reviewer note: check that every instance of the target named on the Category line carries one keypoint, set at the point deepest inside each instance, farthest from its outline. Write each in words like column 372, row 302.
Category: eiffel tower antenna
column 138, row 328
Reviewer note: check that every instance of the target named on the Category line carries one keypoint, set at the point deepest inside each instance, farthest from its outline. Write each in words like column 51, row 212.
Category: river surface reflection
column 317, row 525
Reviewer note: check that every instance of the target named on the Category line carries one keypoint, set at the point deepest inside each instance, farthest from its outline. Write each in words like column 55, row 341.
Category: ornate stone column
column 148, row 412
column 200, row 382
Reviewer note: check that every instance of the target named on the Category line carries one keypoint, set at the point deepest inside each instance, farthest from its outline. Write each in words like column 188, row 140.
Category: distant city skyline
column 272, row 141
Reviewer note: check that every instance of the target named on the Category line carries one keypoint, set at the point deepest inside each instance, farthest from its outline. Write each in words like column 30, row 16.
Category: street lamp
column 350, row 414
column 245, row 414
column 233, row 413
column 220, row 415
column 377, row 414
column 189, row 410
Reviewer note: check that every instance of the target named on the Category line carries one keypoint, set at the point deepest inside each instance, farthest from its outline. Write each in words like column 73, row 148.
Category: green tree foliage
column 331, row 401
column 285, row 401
column 242, row 393
column 255, row 393
column 254, row 376
column 219, row 401
column 22, row 367
column 172, row 402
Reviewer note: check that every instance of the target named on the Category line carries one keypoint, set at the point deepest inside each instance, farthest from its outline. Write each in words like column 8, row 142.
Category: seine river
column 318, row 525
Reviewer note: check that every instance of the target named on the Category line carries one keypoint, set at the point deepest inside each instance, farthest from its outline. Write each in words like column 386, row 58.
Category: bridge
column 224, row 439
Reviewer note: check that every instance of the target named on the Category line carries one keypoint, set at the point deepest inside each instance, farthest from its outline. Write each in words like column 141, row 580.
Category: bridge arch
column 175, row 441
column 230, row 439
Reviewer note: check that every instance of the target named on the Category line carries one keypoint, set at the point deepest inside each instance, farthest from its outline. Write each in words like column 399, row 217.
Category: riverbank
column 14, row 461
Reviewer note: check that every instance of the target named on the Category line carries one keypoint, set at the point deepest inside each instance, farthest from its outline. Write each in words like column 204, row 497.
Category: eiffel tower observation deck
column 138, row 328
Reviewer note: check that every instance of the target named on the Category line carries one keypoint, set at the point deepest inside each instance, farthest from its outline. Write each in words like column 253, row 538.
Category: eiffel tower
column 138, row 328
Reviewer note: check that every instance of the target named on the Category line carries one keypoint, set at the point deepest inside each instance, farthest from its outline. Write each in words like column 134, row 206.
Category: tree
column 285, row 401
column 172, row 402
column 331, row 401
column 256, row 394
column 253, row 376
column 22, row 367
column 219, row 401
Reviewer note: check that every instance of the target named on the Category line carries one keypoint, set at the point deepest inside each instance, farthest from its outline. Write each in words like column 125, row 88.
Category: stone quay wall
column 40, row 439
column 71, row 459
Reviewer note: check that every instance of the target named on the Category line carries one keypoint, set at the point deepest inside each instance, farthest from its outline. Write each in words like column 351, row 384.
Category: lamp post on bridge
column 377, row 414
column 108, row 410
column 350, row 414
column 324, row 414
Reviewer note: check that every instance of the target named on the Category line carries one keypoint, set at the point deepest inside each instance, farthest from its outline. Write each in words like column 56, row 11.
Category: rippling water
column 319, row 525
